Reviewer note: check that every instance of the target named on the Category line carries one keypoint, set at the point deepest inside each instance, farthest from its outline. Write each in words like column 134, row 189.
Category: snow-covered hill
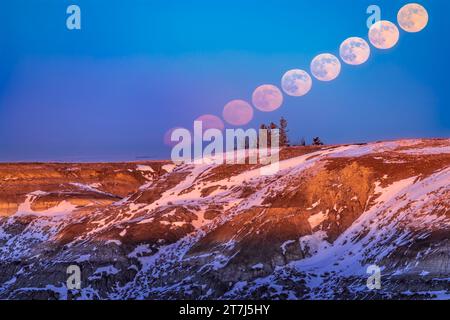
column 159, row 231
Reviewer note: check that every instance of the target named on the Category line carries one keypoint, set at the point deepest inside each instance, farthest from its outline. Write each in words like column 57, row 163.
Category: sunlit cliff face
column 328, row 213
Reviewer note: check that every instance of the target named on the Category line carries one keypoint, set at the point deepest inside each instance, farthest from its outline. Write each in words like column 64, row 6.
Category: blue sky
column 138, row 68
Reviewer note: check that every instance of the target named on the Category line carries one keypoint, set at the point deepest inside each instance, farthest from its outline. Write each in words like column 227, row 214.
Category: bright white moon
column 412, row 17
column 267, row 98
column 384, row 34
column 238, row 112
column 325, row 67
column 355, row 51
column 296, row 83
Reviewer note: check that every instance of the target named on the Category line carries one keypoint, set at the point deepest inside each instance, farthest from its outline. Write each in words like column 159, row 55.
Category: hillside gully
column 158, row 230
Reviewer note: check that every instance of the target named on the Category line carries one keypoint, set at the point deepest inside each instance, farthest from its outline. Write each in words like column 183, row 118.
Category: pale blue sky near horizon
column 110, row 91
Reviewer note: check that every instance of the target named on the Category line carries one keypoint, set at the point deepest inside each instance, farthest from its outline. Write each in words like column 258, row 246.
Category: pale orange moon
column 238, row 112
column 412, row 17
column 354, row 51
column 384, row 34
column 267, row 98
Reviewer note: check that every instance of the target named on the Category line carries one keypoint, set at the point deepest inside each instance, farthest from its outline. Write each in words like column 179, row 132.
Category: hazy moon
column 325, row 67
column 296, row 82
column 168, row 137
column 267, row 98
column 412, row 17
column 238, row 112
column 210, row 121
column 384, row 34
column 355, row 51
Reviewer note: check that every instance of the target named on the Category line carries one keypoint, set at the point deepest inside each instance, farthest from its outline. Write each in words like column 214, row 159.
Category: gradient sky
column 138, row 68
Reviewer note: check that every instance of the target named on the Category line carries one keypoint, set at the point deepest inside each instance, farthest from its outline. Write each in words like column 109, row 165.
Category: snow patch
column 316, row 219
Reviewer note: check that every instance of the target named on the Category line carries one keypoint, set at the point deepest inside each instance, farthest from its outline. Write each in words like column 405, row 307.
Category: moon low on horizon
column 384, row 35
column 412, row 17
column 168, row 137
column 296, row 82
column 325, row 67
column 210, row 121
column 354, row 51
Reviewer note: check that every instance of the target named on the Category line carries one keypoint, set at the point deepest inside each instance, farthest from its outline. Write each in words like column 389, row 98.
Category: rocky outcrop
column 81, row 184
column 159, row 231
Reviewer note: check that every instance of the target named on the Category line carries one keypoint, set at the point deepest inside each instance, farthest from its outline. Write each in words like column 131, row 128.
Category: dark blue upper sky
column 138, row 68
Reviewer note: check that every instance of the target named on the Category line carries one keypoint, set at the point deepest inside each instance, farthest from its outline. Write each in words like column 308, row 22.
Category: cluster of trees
column 284, row 138
column 282, row 126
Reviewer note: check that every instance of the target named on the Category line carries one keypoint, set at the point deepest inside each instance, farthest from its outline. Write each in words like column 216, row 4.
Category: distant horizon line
column 145, row 159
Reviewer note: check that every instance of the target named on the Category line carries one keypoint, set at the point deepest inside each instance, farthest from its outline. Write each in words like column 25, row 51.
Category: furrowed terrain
column 155, row 230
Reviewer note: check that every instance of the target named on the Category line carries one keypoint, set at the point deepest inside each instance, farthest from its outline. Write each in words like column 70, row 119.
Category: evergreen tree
column 317, row 142
column 302, row 142
column 262, row 127
column 272, row 126
column 284, row 139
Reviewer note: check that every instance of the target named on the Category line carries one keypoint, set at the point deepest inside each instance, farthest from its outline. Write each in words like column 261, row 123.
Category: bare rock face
column 79, row 184
column 158, row 231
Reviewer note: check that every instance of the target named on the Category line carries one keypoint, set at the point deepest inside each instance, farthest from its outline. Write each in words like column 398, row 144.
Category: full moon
column 384, row 34
column 412, row 17
column 296, row 83
column 210, row 121
column 355, row 51
column 325, row 67
column 168, row 137
column 267, row 98
column 238, row 112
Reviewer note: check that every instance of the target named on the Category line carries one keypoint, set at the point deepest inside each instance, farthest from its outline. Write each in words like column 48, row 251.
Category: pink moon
column 267, row 98
column 384, row 35
column 412, row 17
column 168, row 137
column 210, row 121
column 238, row 112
